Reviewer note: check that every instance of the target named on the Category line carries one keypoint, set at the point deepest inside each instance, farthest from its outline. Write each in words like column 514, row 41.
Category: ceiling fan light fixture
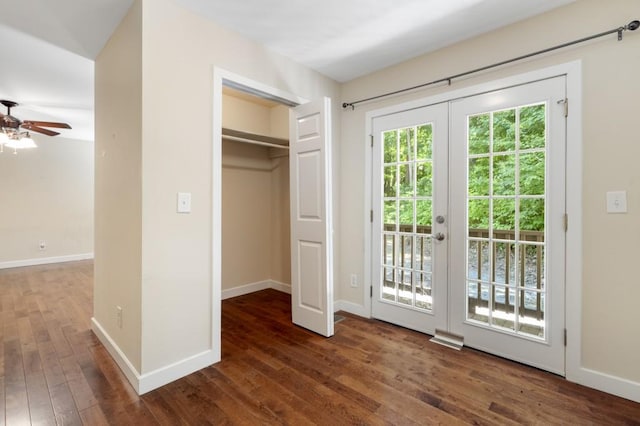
column 21, row 143
column 27, row 142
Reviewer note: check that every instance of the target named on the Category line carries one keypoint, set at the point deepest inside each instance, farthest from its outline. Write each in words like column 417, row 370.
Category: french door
column 410, row 218
column 475, row 245
column 507, row 264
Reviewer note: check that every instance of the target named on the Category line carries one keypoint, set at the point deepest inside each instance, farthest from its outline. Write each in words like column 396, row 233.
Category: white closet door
column 311, row 227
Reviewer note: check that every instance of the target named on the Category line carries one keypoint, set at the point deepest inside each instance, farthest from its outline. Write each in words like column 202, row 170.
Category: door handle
column 439, row 236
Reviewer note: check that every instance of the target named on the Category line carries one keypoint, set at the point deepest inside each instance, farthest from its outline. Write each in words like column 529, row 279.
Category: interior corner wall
column 180, row 51
column 280, row 205
column 246, row 215
column 255, row 230
column 610, row 148
column 47, row 196
column 118, row 186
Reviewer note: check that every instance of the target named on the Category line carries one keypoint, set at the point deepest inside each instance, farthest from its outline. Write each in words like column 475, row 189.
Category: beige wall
column 611, row 147
column 255, row 188
column 47, row 195
column 163, row 269
column 178, row 65
column 118, row 186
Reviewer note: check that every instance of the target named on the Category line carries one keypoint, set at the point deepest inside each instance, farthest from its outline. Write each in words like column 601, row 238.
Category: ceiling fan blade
column 46, row 124
column 33, row 128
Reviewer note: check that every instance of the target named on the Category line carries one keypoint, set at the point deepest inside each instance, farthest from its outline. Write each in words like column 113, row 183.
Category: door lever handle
column 439, row 236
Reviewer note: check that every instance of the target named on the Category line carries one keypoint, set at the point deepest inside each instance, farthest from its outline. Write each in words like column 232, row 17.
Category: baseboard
column 283, row 287
column 253, row 287
column 149, row 381
column 350, row 307
column 45, row 260
column 606, row 383
column 177, row 370
column 120, row 358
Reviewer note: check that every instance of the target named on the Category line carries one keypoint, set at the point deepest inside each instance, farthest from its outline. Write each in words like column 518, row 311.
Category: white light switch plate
column 184, row 202
column 617, row 202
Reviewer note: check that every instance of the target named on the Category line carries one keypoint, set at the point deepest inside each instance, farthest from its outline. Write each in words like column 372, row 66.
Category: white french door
column 494, row 196
column 507, row 258
column 410, row 218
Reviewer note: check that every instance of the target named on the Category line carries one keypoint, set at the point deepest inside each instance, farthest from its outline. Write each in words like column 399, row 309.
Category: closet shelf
column 246, row 137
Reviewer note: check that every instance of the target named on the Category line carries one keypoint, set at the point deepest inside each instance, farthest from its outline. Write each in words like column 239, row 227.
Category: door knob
column 440, row 219
column 439, row 236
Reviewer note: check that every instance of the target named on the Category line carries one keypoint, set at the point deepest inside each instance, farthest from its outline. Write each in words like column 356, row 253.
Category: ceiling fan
column 11, row 125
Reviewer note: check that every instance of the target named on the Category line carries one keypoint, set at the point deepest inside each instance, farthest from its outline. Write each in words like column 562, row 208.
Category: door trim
column 221, row 75
column 573, row 306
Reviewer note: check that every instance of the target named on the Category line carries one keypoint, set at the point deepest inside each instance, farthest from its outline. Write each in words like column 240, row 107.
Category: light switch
column 184, row 202
column 617, row 202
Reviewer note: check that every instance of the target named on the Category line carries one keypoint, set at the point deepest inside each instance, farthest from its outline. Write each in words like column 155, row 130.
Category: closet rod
column 254, row 142
column 631, row 26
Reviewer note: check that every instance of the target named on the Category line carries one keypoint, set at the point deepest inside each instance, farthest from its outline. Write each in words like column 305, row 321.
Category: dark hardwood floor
column 55, row 371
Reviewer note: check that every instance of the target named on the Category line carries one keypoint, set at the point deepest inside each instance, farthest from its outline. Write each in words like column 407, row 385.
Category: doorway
column 255, row 194
column 468, row 235
column 310, row 203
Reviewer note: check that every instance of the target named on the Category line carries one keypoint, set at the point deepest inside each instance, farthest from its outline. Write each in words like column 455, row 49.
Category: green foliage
column 503, row 165
column 408, row 170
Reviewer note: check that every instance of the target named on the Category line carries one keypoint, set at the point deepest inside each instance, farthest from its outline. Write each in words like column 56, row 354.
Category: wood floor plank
column 53, row 370
column 40, row 407
column 64, row 406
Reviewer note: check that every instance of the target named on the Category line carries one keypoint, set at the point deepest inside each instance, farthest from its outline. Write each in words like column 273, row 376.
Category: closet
column 255, row 194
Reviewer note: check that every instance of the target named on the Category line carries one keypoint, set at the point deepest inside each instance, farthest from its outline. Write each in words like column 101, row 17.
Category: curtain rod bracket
column 631, row 26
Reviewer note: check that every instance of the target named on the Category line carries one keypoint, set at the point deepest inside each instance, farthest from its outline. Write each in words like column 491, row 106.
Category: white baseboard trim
column 606, row 383
column 45, row 260
column 149, row 381
column 352, row 308
column 120, row 358
column 175, row 371
column 283, row 287
column 253, row 287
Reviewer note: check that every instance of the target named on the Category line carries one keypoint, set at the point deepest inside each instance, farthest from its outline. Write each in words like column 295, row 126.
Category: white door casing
column 311, row 224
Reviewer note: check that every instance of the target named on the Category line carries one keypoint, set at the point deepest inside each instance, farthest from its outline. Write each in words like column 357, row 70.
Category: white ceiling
column 48, row 47
column 345, row 39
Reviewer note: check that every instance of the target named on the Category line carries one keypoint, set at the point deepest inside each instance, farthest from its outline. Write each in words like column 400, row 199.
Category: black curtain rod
column 631, row 26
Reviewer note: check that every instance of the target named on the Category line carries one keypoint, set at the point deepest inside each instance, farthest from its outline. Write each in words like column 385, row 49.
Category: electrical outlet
column 119, row 316
column 354, row 280
column 42, row 245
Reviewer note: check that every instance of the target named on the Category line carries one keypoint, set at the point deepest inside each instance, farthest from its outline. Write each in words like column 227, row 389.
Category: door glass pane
column 478, row 301
column 506, row 220
column 390, row 215
column 423, row 254
column 424, row 142
column 389, row 247
column 408, row 212
column 504, row 131
column 423, row 290
column 424, row 179
column 406, row 144
column 479, row 176
column 388, row 284
column 406, row 179
column 532, row 126
column 390, row 181
column 504, row 175
column 479, row 134
column 424, row 214
column 390, row 146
